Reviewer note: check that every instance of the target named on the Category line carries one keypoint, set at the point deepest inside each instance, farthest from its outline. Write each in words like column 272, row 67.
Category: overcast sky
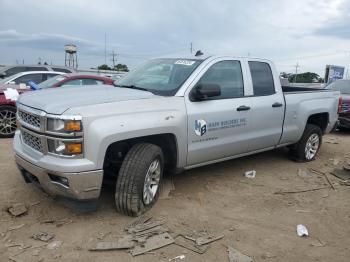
column 313, row 33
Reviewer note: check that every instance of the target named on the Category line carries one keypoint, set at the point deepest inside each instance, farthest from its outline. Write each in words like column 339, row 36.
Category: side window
column 36, row 68
column 75, row 82
column 36, row 78
column 61, row 70
column 89, row 81
column 228, row 75
column 15, row 70
column 47, row 76
column 262, row 78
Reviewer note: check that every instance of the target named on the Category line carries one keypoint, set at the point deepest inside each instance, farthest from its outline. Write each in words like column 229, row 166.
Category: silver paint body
column 114, row 114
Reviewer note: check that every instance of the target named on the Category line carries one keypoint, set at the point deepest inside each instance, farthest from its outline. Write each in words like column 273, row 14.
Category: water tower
column 71, row 59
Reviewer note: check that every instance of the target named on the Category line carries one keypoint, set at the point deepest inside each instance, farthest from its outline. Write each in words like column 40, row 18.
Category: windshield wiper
column 133, row 87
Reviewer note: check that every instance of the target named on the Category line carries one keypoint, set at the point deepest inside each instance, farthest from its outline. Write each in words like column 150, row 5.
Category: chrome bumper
column 80, row 185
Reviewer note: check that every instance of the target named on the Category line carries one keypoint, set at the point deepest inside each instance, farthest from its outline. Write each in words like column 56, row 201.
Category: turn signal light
column 73, row 148
column 72, row 125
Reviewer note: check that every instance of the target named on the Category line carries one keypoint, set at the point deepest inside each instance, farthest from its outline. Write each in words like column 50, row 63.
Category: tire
column 8, row 123
column 309, row 144
column 138, row 164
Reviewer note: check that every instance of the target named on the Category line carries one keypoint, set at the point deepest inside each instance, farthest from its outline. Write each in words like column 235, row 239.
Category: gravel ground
column 216, row 198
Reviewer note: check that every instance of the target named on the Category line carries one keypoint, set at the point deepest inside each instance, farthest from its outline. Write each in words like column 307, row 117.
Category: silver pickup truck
column 170, row 114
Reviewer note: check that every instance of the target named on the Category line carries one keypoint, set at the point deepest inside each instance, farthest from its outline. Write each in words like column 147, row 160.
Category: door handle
column 243, row 108
column 277, row 104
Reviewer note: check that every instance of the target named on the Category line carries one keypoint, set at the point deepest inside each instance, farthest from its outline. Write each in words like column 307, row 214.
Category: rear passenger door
column 268, row 107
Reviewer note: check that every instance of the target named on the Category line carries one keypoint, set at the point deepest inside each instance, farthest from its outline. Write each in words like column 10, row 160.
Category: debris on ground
column 235, row 256
column 250, row 174
column 138, row 221
column 57, row 222
column 54, row 244
column 342, row 174
column 167, row 187
column 103, row 235
column 302, row 231
column 144, row 226
column 121, row 243
column 43, row 236
column 303, row 173
column 152, row 243
column 181, row 241
column 16, row 227
column 177, row 258
column 325, row 176
column 17, row 209
column 206, row 239
column 300, row 191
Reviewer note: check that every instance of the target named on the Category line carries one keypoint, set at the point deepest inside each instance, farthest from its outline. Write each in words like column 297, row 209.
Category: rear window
column 261, row 73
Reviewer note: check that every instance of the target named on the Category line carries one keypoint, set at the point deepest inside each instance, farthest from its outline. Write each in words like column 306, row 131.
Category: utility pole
column 105, row 48
column 191, row 48
column 114, row 58
column 296, row 72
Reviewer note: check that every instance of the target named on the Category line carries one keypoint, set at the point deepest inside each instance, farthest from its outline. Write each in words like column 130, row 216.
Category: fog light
column 74, row 148
column 59, row 179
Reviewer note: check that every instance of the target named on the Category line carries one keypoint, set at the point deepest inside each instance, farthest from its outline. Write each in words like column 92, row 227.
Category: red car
column 8, row 107
column 76, row 79
column 344, row 113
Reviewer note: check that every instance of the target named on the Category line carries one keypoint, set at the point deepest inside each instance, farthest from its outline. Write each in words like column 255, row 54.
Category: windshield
column 341, row 85
column 51, row 81
column 3, row 81
column 160, row 76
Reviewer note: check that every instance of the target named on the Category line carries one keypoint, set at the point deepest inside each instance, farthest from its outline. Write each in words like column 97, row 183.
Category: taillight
column 339, row 105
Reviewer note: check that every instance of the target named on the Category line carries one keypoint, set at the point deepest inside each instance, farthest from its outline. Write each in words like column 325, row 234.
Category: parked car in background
column 8, row 107
column 8, row 112
column 343, row 86
column 7, row 71
column 25, row 77
column 76, row 79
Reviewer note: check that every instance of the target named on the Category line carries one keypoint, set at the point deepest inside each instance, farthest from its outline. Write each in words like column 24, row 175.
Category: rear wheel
column 309, row 144
column 139, row 179
column 7, row 121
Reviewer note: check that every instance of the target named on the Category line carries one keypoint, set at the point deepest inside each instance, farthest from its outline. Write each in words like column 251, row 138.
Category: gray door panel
column 217, row 129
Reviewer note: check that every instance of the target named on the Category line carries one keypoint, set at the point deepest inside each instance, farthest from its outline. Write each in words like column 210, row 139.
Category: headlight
column 65, row 148
column 64, row 126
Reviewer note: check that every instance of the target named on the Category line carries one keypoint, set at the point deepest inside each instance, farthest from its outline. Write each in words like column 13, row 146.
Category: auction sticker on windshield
column 185, row 62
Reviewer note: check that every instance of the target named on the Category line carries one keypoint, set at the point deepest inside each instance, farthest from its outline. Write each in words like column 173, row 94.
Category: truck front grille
column 32, row 141
column 30, row 119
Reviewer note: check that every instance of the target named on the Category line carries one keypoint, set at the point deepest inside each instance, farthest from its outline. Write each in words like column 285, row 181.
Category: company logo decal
column 200, row 127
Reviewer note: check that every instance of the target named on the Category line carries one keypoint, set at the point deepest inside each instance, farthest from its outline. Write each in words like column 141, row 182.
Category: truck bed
column 294, row 89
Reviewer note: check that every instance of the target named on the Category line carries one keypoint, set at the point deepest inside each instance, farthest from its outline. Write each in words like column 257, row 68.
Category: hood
column 58, row 100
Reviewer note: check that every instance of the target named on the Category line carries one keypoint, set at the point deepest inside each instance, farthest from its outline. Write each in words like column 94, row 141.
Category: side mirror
column 205, row 91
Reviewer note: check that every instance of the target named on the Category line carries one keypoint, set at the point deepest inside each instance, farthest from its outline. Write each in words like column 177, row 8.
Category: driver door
column 218, row 126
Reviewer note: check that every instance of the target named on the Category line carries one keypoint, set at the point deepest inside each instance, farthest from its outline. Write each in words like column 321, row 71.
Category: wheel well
column 117, row 151
column 320, row 120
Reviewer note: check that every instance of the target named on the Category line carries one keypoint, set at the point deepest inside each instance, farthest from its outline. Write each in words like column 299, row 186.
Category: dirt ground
column 216, row 198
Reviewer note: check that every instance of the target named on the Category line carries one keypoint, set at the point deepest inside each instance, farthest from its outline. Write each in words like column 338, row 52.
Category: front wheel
column 139, row 179
column 8, row 124
column 309, row 144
